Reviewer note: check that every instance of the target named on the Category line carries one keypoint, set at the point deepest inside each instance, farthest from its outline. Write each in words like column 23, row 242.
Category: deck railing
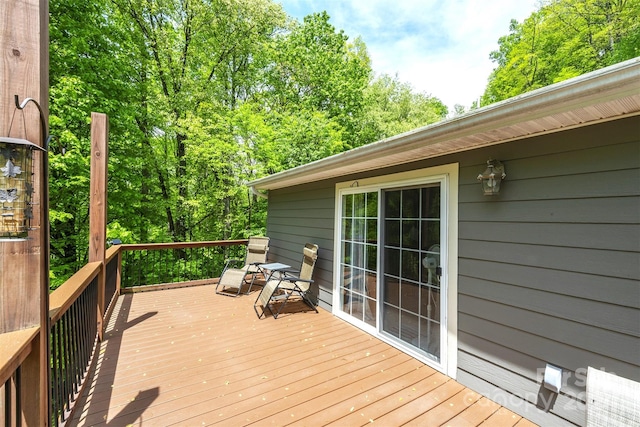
column 73, row 339
column 15, row 348
column 175, row 264
column 74, row 323
column 113, row 263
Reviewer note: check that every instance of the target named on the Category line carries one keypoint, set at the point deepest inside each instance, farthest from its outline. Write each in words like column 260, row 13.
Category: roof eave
column 599, row 87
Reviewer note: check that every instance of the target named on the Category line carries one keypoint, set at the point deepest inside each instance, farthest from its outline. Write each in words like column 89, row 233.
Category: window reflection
column 359, row 255
column 412, row 257
column 411, row 203
column 410, row 233
column 392, row 204
column 431, row 202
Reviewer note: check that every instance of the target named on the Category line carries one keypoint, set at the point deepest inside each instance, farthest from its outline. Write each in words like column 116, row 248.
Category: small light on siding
column 492, row 177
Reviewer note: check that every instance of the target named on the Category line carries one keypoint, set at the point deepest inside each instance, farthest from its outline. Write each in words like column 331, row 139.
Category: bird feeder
column 16, row 186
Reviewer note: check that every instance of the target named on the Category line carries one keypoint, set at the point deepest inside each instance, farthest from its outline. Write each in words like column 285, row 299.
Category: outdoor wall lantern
column 492, row 177
column 16, row 181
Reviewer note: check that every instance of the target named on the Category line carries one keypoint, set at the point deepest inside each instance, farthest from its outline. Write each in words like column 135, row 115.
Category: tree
column 316, row 70
column 392, row 108
column 201, row 59
column 87, row 73
column 563, row 39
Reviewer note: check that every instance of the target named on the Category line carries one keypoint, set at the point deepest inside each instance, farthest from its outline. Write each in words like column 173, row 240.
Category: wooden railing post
column 113, row 267
column 98, row 204
column 24, row 265
column 119, row 273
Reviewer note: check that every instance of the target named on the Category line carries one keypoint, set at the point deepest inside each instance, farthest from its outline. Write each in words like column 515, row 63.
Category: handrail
column 111, row 253
column 156, row 266
column 73, row 337
column 62, row 298
column 14, row 349
column 181, row 245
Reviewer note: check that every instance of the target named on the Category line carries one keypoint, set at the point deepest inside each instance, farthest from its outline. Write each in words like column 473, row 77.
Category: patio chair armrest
column 229, row 262
column 289, row 272
column 295, row 279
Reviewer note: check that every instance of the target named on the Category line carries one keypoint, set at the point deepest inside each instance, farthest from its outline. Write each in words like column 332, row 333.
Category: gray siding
column 549, row 271
column 300, row 215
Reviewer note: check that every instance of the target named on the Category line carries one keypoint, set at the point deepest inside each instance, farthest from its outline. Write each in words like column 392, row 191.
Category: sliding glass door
column 359, row 242
column 411, row 268
column 391, row 264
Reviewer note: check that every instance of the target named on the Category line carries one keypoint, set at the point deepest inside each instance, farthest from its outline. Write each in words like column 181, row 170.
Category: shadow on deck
column 190, row 357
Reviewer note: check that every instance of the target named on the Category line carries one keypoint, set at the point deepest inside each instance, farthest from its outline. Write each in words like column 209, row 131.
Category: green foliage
column 392, row 108
column 89, row 71
column 563, row 39
column 315, row 69
column 202, row 97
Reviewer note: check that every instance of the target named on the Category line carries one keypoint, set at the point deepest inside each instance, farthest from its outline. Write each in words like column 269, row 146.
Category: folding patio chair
column 284, row 284
column 236, row 277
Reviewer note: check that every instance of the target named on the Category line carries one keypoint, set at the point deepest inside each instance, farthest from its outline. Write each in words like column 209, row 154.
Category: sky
column 439, row 47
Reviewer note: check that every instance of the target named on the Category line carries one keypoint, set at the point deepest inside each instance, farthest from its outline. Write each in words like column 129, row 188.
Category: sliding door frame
column 447, row 177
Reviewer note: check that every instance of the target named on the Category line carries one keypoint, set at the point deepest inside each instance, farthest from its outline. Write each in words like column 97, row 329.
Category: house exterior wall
column 549, row 270
column 297, row 216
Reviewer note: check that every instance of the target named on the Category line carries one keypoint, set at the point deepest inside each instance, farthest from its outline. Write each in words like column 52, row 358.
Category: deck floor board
column 188, row 357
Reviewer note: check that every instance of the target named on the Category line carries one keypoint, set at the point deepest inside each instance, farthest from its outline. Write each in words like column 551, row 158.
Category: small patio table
column 272, row 267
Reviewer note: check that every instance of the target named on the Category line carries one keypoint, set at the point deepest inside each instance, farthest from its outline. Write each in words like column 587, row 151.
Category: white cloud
column 439, row 47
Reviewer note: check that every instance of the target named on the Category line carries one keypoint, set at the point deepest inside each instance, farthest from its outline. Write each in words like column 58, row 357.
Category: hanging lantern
column 492, row 177
column 16, row 186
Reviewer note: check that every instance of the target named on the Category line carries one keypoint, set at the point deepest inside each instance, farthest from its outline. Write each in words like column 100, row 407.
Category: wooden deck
column 189, row 357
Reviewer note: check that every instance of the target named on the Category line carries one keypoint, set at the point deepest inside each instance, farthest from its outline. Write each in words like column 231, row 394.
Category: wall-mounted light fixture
column 16, row 181
column 492, row 177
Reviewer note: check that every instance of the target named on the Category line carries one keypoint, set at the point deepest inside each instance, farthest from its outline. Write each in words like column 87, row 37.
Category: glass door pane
column 359, row 257
column 411, row 281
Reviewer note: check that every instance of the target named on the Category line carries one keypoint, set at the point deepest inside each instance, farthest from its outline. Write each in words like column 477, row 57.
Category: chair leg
column 264, row 310
column 309, row 302
column 275, row 315
column 286, row 299
column 252, row 282
column 228, row 294
column 255, row 308
column 220, row 292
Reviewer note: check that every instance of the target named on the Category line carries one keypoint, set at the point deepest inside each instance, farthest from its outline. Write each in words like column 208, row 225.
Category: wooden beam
column 98, row 204
column 21, row 26
column 24, row 265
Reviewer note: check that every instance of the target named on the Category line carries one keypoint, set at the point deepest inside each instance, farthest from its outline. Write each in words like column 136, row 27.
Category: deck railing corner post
column 98, row 205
